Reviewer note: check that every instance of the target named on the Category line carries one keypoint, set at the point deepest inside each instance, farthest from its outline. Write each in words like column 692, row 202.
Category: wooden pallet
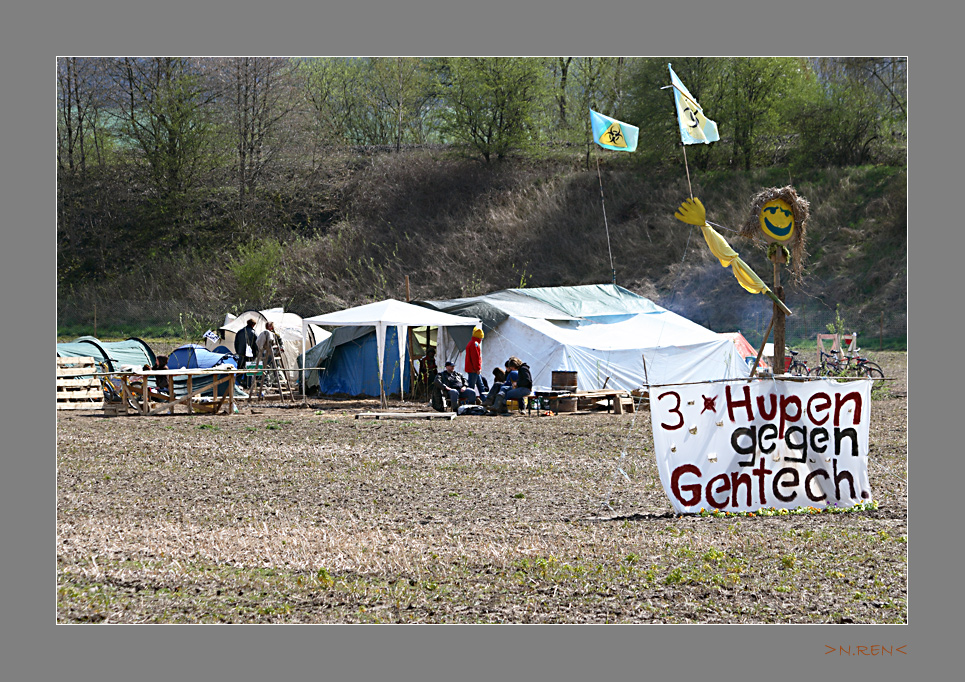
column 77, row 387
column 406, row 415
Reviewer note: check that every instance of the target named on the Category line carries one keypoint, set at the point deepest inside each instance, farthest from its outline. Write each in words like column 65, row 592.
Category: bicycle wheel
column 825, row 371
column 873, row 371
column 798, row 369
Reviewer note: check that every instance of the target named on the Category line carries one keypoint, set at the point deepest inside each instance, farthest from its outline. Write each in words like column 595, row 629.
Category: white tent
column 381, row 315
column 287, row 325
column 605, row 333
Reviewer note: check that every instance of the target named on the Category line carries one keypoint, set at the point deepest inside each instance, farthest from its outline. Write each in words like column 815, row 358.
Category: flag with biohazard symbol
column 610, row 133
column 695, row 127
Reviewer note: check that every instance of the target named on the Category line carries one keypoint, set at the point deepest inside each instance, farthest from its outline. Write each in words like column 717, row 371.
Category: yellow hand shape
column 692, row 212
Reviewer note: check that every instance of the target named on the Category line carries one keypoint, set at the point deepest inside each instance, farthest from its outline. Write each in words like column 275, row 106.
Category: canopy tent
column 381, row 316
column 606, row 333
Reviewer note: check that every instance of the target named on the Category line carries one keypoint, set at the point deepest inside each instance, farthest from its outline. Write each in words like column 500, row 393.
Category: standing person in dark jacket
column 522, row 386
column 245, row 340
column 474, row 361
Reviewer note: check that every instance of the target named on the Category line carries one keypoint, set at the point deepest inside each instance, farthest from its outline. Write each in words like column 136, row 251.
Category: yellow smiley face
column 777, row 220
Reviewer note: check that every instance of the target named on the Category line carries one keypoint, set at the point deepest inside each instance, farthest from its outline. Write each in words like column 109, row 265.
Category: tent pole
column 304, row 361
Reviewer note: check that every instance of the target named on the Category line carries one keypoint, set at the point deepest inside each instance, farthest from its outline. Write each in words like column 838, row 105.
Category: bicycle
column 835, row 365
column 798, row 367
column 830, row 364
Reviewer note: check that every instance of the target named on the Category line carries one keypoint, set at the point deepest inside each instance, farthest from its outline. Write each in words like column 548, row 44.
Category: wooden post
column 777, row 366
column 412, row 370
column 779, row 342
column 881, row 330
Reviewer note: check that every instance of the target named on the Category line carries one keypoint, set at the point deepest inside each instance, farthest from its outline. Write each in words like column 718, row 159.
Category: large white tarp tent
column 605, row 333
column 381, row 316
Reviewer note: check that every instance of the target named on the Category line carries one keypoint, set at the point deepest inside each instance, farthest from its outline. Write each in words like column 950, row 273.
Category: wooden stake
column 760, row 351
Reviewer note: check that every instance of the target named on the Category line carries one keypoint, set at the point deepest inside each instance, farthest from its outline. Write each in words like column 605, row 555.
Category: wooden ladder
column 270, row 361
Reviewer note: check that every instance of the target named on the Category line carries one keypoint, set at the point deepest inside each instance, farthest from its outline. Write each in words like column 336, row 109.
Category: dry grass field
column 285, row 514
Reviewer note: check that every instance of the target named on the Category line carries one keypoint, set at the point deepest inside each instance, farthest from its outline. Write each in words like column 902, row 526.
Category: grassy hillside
column 457, row 227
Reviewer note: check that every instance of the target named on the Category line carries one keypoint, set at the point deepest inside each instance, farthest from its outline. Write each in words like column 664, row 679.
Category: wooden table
column 610, row 395
column 148, row 402
column 604, row 394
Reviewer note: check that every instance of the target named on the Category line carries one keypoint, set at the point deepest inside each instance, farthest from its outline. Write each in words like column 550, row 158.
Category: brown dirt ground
column 293, row 514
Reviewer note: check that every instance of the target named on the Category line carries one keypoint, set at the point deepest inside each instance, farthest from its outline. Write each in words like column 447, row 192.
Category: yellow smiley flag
column 695, row 127
column 692, row 212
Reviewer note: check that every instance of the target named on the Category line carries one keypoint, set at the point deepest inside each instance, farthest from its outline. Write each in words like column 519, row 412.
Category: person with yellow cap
column 474, row 362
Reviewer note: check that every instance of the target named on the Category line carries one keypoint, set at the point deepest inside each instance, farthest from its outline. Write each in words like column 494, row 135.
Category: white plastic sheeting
column 631, row 350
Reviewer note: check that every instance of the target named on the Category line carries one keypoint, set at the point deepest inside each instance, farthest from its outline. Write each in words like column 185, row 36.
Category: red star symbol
column 709, row 404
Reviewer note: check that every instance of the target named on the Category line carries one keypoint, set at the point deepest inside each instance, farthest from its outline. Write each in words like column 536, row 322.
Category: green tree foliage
column 255, row 269
column 162, row 104
column 334, row 89
column 855, row 111
column 752, row 93
column 159, row 156
column 398, row 97
column 493, row 104
column 579, row 84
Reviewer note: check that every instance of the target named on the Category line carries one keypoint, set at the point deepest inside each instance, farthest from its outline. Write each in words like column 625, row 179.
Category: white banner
column 743, row 446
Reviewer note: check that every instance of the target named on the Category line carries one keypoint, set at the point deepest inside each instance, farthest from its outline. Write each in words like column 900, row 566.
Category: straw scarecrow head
column 780, row 216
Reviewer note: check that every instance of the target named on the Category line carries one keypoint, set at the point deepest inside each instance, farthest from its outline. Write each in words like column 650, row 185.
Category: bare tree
column 75, row 107
column 400, row 87
column 257, row 94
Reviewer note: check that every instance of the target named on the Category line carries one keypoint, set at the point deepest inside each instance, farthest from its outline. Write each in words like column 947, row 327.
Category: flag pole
column 606, row 227
column 682, row 144
column 687, row 168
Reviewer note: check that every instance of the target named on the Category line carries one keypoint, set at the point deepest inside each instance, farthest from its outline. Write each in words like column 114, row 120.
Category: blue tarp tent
column 193, row 356
column 353, row 369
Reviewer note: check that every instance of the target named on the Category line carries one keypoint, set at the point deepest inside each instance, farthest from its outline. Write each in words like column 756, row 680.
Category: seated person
column 427, row 368
column 454, row 385
column 161, row 383
column 502, row 382
column 522, row 385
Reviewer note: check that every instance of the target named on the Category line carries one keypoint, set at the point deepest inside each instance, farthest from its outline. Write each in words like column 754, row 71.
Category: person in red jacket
column 474, row 361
